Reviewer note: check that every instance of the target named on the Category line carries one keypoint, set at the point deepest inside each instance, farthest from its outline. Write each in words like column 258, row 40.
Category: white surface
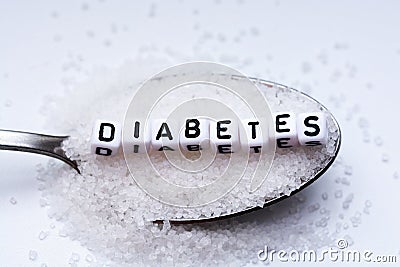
column 347, row 50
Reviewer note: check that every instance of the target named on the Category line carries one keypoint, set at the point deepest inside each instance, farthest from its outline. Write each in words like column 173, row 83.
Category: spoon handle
column 35, row 143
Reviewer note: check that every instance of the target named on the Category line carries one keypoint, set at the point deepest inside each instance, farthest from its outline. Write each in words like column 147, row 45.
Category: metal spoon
column 52, row 146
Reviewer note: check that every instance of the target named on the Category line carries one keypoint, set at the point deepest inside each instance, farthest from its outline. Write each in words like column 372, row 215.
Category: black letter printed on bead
column 283, row 143
column 103, row 151
column 223, row 129
column 278, row 123
column 101, row 132
column 311, row 125
column 224, row 149
column 193, row 147
column 253, row 128
column 164, row 126
column 194, row 128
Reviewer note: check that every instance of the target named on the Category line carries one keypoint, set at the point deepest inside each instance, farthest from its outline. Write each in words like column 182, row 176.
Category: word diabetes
column 224, row 135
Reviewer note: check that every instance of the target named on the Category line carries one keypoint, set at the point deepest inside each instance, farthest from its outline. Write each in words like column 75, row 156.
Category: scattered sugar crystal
column 89, row 258
column 43, row 202
column 43, row 265
column 363, row 123
column 366, row 137
column 378, row 141
column 345, row 181
column 75, row 257
column 62, row 233
column 396, row 175
column 323, row 211
column 338, row 193
column 366, row 210
column 33, row 255
column 324, row 196
column 306, row 67
column 347, row 201
column 8, row 103
column 348, row 170
column 356, row 219
column 350, row 197
column 13, row 200
column 43, row 235
column 254, row 31
column 313, row 207
column 369, row 86
column 385, row 158
column 323, row 57
column 300, row 198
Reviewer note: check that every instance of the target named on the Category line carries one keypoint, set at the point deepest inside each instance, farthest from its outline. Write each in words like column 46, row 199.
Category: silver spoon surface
column 52, row 146
column 43, row 144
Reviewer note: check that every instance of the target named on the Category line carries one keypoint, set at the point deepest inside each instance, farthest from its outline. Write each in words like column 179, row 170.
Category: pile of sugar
column 106, row 211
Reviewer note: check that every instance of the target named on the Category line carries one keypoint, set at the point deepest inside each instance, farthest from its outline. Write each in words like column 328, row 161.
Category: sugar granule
column 13, row 201
column 43, row 235
column 33, row 255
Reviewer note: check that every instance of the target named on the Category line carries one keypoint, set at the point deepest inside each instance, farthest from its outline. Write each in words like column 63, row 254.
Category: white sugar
column 75, row 257
column 43, row 235
column 13, row 201
column 104, row 208
column 385, row 157
column 338, row 194
column 348, row 170
column 378, row 141
column 33, row 255
column 89, row 258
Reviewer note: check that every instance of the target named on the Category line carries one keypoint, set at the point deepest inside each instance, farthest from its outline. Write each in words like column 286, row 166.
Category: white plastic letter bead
column 285, row 130
column 195, row 134
column 251, row 138
column 106, row 138
column 312, row 129
column 164, row 135
column 224, row 136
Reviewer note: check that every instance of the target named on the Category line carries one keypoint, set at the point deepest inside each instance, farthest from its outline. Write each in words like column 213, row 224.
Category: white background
column 349, row 50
